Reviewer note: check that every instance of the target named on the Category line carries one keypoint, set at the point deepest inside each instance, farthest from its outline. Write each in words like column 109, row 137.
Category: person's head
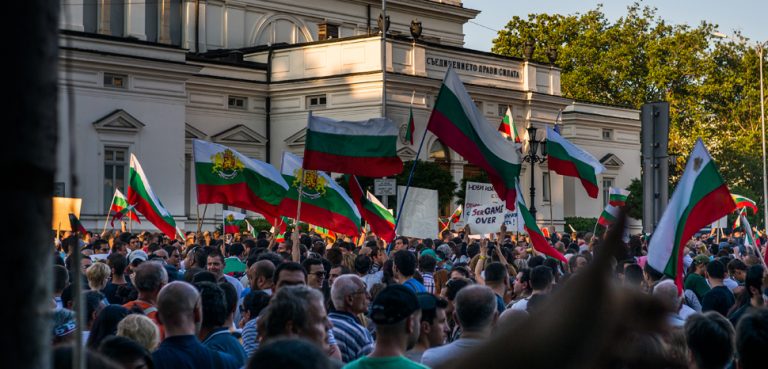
column 401, row 243
column 215, row 263
column 710, row 340
column 237, row 250
column 93, row 302
column 753, row 282
column 106, row 324
column 699, row 264
column 174, row 256
column 253, row 303
column 231, row 298
column 296, row 311
column 214, row 305
column 476, row 309
column 397, row 315
column 64, row 325
column 737, row 270
column 350, row 294
column 291, row 353
column 60, row 279
column 459, row 272
column 496, row 275
column 666, row 292
column 141, row 329
column 179, row 308
column 100, row 247
column 633, row 275
column 522, row 285
column 98, row 275
column 404, row 265
column 752, row 339
column 126, row 352
column 335, row 272
column 119, row 247
column 541, row 278
column 427, row 263
column 117, row 263
column 289, row 274
column 651, row 275
column 363, row 264
column 260, row 275
column 434, row 324
column 150, row 277
column 315, row 272
column 576, row 263
column 715, row 270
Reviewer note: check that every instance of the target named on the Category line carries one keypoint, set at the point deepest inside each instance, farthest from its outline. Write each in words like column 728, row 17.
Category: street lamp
column 533, row 158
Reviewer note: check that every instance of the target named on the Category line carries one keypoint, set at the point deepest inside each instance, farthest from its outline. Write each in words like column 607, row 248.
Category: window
column 503, row 110
column 115, row 80
column 607, row 134
column 238, row 102
column 327, row 31
column 607, row 184
column 316, row 101
column 545, row 190
column 115, row 172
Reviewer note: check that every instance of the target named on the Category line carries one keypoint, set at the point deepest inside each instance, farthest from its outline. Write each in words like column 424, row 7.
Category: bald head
column 666, row 290
column 178, row 304
column 150, row 277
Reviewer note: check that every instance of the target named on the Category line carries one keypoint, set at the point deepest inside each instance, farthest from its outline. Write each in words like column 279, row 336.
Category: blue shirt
column 500, row 304
column 415, row 286
column 222, row 341
column 186, row 352
column 353, row 339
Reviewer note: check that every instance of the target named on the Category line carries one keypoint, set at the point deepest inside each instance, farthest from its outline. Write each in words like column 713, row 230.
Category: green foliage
column 580, row 224
column 432, row 176
column 461, row 193
column 712, row 84
column 259, row 224
column 635, row 199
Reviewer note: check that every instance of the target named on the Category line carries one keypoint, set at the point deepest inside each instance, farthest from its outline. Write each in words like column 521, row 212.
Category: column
column 104, row 26
column 164, row 15
column 135, row 20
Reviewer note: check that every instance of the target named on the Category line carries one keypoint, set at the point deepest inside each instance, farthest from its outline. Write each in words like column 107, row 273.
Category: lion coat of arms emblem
column 226, row 164
column 314, row 183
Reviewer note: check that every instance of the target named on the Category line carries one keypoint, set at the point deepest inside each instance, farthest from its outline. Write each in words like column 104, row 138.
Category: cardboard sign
column 62, row 206
column 419, row 213
column 486, row 218
column 478, row 194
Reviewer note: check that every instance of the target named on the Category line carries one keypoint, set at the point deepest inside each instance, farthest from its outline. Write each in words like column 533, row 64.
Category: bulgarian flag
column 567, row 159
column 365, row 148
column 508, row 128
column 456, row 216
column 76, row 225
column 377, row 216
column 323, row 202
column 617, row 196
column 609, row 215
column 737, row 222
column 538, row 239
column 411, row 127
column 225, row 176
column 743, row 202
column 233, row 221
column 146, row 202
column 323, row 232
column 119, row 204
column 749, row 237
column 120, row 214
column 457, row 122
column 701, row 197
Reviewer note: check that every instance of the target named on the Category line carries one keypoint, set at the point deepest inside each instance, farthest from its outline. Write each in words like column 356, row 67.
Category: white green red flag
column 538, row 239
column 617, row 196
column 454, row 218
column 232, row 221
column 225, row 176
column 609, row 215
column 119, row 205
column 323, row 202
column 457, row 122
column 701, row 197
column 567, row 159
column 377, row 216
column 145, row 201
column 749, row 237
column 508, row 128
column 743, row 202
column 411, row 126
column 121, row 214
column 365, row 148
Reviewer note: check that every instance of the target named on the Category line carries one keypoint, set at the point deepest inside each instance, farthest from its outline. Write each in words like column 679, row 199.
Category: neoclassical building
column 144, row 78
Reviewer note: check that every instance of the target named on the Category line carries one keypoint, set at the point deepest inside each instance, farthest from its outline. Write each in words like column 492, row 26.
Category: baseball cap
column 428, row 301
column 701, row 259
column 393, row 304
column 431, row 253
column 63, row 322
column 137, row 255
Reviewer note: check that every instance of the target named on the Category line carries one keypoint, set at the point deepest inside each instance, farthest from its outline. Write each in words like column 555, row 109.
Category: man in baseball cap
column 397, row 314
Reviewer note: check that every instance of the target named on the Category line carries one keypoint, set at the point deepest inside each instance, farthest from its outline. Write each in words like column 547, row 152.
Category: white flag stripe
column 370, row 127
column 204, row 151
column 137, row 167
column 575, row 151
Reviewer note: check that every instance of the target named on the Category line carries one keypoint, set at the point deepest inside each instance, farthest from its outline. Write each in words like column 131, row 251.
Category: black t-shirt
column 118, row 293
column 719, row 299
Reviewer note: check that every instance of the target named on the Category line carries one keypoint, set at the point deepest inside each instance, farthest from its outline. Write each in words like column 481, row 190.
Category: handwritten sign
column 486, row 218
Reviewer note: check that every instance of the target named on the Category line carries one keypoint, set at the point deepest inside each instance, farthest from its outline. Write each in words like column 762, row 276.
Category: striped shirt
column 353, row 339
column 429, row 282
column 250, row 337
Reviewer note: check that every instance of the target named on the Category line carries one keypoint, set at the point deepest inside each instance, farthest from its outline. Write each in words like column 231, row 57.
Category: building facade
column 146, row 79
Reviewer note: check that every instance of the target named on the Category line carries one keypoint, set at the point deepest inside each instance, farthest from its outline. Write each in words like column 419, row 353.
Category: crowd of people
column 251, row 302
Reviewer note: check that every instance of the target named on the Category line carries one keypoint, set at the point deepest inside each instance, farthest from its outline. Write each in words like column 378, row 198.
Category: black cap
column 428, row 301
column 393, row 304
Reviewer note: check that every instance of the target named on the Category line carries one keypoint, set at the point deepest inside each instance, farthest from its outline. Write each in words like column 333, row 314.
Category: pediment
column 406, row 154
column 297, row 139
column 192, row 133
column 118, row 121
column 611, row 160
column 239, row 135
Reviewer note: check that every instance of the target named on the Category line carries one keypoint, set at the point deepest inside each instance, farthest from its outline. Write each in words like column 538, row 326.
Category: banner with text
column 486, row 219
column 478, row 194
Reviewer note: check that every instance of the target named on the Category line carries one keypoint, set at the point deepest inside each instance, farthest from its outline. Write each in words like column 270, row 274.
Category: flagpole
column 551, row 217
column 199, row 224
column 408, row 186
column 205, row 209
column 295, row 242
column 108, row 211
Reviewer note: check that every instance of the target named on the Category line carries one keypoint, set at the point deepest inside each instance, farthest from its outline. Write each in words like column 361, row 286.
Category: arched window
column 281, row 30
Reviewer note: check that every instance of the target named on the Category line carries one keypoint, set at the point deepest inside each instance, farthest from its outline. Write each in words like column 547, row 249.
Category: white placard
column 419, row 213
column 478, row 194
column 721, row 223
column 486, row 218
column 384, row 186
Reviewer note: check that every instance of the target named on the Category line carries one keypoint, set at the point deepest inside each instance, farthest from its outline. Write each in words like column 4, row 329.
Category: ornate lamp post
column 534, row 158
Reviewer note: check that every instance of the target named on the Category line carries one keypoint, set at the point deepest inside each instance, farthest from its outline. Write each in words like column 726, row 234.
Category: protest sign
column 418, row 214
column 62, row 207
column 486, row 218
column 478, row 194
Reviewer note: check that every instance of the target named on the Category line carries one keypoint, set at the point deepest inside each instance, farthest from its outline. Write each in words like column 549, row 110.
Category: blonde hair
column 97, row 275
column 140, row 329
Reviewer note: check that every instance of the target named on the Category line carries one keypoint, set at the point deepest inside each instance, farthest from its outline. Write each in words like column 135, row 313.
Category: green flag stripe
column 332, row 200
column 138, row 186
column 355, row 146
column 585, row 170
column 264, row 188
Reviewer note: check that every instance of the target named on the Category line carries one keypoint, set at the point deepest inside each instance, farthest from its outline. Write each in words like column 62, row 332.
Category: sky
column 747, row 16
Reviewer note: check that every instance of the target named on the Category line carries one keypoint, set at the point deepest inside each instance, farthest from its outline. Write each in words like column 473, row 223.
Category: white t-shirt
column 521, row 305
column 442, row 354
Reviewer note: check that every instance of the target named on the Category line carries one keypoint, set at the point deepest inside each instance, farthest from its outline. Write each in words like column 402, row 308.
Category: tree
column 432, row 176
column 635, row 199
column 712, row 85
